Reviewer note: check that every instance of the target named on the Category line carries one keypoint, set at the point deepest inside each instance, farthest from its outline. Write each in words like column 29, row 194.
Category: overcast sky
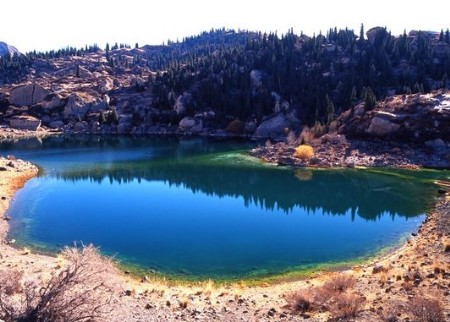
column 53, row 24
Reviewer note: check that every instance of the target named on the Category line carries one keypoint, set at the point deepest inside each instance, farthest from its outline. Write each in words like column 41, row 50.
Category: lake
column 197, row 208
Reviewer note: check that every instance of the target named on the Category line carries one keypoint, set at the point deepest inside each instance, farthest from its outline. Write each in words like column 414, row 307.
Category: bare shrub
column 298, row 301
column 10, row 282
column 318, row 129
column 81, row 291
column 346, row 306
column 339, row 283
column 236, row 126
column 426, row 309
column 304, row 152
column 306, row 136
column 291, row 138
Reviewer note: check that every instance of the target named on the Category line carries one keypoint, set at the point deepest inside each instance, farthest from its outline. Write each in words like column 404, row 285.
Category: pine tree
column 330, row 109
column 370, row 100
column 441, row 35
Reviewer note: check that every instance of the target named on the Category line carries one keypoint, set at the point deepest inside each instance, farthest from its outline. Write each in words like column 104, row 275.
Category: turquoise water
column 201, row 209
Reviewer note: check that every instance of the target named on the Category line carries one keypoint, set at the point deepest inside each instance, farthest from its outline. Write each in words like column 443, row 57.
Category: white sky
column 53, row 24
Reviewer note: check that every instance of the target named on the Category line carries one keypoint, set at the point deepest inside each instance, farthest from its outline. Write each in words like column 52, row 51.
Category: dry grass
column 80, row 291
column 426, row 309
column 304, row 152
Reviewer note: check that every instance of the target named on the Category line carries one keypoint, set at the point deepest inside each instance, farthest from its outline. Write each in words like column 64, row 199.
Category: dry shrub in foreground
column 335, row 296
column 346, row 306
column 80, row 291
column 304, row 152
column 299, row 301
column 426, row 310
column 339, row 283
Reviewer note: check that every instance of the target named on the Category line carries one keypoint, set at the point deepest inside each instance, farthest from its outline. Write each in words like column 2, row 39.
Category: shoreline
column 246, row 300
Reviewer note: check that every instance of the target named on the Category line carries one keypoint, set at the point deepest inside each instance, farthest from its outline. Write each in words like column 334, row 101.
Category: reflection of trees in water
column 335, row 192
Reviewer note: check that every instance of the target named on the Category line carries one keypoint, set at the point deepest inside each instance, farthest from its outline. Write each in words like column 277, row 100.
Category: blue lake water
column 201, row 209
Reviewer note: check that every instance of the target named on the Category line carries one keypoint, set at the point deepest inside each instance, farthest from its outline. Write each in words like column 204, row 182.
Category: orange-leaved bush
column 304, row 152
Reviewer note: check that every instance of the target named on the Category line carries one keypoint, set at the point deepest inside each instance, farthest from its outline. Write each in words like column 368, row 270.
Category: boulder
column 181, row 103
column 379, row 126
column 52, row 102
column 78, row 105
column 26, row 95
column 81, row 127
column 256, row 78
column 25, row 122
column 83, row 72
column 190, row 125
column 276, row 126
column 105, row 85
column 273, row 127
column 436, row 144
column 56, row 124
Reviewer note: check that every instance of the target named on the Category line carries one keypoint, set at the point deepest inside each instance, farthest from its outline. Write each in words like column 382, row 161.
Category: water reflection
column 200, row 166
column 367, row 194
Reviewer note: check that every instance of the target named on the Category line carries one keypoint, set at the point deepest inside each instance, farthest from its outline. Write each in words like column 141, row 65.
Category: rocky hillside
column 418, row 118
column 227, row 83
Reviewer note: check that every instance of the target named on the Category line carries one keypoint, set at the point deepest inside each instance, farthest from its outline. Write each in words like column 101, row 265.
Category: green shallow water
column 196, row 209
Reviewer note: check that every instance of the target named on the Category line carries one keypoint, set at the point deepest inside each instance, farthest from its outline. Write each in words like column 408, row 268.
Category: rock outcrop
column 25, row 123
column 417, row 118
column 5, row 49
column 27, row 95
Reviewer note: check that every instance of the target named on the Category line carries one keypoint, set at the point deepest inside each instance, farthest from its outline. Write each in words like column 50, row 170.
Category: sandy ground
column 421, row 268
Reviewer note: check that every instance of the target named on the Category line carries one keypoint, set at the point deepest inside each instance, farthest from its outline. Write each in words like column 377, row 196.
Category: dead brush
column 10, row 282
column 345, row 307
column 300, row 301
column 339, row 283
column 425, row 309
column 81, row 291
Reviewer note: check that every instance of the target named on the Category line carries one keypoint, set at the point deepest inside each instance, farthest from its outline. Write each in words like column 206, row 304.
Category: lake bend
column 199, row 208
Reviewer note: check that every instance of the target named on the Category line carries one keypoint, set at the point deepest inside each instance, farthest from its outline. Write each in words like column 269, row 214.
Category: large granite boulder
column 25, row 122
column 83, row 72
column 52, row 102
column 78, row 105
column 105, row 85
column 190, row 125
column 276, row 126
column 26, row 95
column 380, row 126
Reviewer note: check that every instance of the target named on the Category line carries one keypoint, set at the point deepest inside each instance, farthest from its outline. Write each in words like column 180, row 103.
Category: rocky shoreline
column 385, row 284
column 335, row 151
